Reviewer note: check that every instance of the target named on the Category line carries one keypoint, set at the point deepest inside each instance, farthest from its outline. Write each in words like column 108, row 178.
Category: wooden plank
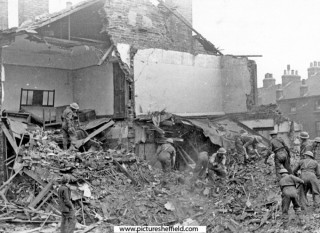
column 79, row 143
column 34, row 176
column 125, row 172
column 106, row 55
column 44, row 201
column 41, row 195
column 10, row 139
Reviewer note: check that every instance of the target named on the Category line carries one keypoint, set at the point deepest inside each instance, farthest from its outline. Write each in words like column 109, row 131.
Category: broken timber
column 125, row 172
column 80, row 143
column 41, row 195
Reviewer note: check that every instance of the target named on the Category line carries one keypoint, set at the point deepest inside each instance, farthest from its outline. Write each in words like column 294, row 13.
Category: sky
column 282, row 31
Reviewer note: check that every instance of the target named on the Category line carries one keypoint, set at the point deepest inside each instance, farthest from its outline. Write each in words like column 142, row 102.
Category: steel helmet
column 222, row 150
column 74, row 106
column 170, row 140
column 283, row 170
column 309, row 153
column 304, row 135
column 317, row 139
column 273, row 132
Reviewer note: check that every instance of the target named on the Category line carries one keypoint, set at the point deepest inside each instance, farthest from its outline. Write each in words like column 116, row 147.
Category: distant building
column 298, row 99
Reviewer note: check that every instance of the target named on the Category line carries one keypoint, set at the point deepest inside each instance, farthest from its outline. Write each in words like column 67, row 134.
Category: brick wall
column 305, row 113
column 144, row 25
column 29, row 9
column 3, row 14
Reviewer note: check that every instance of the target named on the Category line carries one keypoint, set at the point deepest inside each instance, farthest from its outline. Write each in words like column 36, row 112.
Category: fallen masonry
column 115, row 187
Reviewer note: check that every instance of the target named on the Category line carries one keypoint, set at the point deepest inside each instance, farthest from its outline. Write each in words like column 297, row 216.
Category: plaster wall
column 178, row 82
column 93, row 88
column 237, row 83
column 17, row 77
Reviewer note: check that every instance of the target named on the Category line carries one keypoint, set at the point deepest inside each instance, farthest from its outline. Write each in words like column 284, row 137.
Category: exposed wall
column 17, row 77
column 93, row 88
column 142, row 24
column 237, row 83
column 178, row 82
column 183, row 83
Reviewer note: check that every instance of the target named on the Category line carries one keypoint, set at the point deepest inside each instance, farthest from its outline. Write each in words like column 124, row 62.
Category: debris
column 169, row 206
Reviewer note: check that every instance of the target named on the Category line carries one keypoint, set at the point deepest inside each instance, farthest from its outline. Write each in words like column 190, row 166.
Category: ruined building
column 121, row 59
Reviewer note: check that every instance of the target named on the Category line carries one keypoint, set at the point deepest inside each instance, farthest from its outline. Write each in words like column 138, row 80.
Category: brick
column 151, row 27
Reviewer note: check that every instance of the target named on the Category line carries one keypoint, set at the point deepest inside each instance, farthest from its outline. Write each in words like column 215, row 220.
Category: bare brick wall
column 29, row 9
column 144, row 25
column 3, row 14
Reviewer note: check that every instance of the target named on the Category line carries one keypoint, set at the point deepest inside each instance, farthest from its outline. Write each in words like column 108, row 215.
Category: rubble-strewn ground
column 116, row 188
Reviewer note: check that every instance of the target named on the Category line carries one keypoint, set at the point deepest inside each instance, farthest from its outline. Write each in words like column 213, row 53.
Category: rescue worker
column 166, row 154
column 281, row 153
column 217, row 163
column 68, row 130
column 316, row 149
column 305, row 144
column 310, row 170
column 68, row 221
column 289, row 194
column 200, row 170
column 245, row 143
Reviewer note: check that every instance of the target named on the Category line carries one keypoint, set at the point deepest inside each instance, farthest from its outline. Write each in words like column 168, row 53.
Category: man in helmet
column 68, row 220
column 166, row 154
column 68, row 130
column 289, row 194
column 316, row 149
column 245, row 143
column 281, row 153
column 305, row 144
column 310, row 171
column 217, row 163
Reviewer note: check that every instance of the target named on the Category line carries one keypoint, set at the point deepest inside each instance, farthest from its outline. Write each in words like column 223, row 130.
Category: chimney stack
column 288, row 67
column 268, row 80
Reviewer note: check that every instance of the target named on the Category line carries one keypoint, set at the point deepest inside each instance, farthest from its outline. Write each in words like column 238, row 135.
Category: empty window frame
column 293, row 107
column 317, row 105
column 30, row 97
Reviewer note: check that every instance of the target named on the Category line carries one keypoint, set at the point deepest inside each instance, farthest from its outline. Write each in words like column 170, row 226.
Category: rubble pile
column 95, row 176
column 115, row 187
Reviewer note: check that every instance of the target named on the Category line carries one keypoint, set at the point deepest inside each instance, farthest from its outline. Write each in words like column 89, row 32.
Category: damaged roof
column 142, row 25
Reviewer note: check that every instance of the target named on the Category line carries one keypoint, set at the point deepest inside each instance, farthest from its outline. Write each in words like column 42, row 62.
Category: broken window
column 317, row 105
column 293, row 107
column 31, row 97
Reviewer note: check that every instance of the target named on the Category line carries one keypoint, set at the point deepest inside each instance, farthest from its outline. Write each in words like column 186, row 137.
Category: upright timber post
column 3, row 149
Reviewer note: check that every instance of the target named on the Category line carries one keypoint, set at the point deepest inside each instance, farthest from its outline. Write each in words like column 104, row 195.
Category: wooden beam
column 10, row 139
column 125, row 172
column 79, row 143
column 41, row 195
column 106, row 55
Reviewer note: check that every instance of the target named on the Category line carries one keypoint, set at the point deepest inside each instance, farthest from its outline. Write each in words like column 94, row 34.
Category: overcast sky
column 283, row 31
